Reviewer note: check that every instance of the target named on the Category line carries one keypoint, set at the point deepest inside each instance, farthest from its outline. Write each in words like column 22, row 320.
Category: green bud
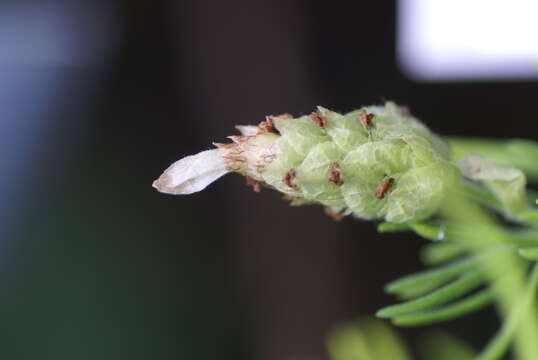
column 377, row 162
column 506, row 183
column 517, row 153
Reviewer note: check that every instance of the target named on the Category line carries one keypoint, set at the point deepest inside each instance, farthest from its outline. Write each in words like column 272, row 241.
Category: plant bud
column 376, row 162
column 507, row 184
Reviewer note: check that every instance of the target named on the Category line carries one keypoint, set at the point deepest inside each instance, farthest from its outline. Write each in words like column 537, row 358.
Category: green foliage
column 366, row 339
column 438, row 253
column 516, row 153
column 425, row 281
column 521, row 312
column 440, row 296
column 442, row 346
column 472, row 249
column 505, row 183
column 530, row 253
column 467, row 305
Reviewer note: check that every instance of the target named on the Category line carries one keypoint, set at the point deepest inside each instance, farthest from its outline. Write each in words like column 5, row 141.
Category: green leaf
column 422, row 282
column 392, row 227
column 466, row 283
column 499, row 344
column 530, row 253
column 506, row 183
column 384, row 341
column 480, row 194
column 441, row 252
column 435, row 230
column 531, row 215
column 348, row 343
column 469, row 304
column 429, row 230
column 442, row 346
column 517, row 153
column 366, row 340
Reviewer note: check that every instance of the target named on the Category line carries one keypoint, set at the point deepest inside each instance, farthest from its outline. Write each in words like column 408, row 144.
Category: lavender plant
column 380, row 163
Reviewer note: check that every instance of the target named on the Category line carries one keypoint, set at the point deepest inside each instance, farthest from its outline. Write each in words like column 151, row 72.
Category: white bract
column 192, row 173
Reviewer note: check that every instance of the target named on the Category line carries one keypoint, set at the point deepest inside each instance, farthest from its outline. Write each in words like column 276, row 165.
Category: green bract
column 506, row 183
column 377, row 162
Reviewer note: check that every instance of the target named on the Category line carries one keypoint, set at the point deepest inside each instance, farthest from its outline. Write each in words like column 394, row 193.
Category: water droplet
column 441, row 235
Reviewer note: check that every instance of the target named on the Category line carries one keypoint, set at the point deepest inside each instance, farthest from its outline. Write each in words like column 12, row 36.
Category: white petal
column 192, row 173
column 247, row 130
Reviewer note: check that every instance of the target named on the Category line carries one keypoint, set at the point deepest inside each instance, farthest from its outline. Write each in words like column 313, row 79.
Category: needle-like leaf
column 449, row 312
column 530, row 253
column 425, row 281
column 441, row 252
column 466, row 283
column 499, row 344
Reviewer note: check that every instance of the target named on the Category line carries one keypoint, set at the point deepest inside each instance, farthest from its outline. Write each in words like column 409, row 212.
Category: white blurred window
column 462, row 40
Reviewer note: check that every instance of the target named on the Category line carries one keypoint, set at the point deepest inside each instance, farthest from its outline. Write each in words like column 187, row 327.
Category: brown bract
column 256, row 185
column 235, row 160
column 366, row 119
column 283, row 116
column 289, row 179
column 383, row 188
column 319, row 119
column 294, row 200
column 330, row 212
column 335, row 176
column 267, row 126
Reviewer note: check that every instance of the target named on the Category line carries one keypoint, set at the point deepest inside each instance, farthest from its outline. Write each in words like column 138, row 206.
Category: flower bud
column 376, row 162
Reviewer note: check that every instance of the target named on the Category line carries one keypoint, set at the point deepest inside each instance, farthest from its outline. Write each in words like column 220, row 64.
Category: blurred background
column 98, row 97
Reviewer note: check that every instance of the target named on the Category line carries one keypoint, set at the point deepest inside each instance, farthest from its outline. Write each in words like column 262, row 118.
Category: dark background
column 95, row 264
